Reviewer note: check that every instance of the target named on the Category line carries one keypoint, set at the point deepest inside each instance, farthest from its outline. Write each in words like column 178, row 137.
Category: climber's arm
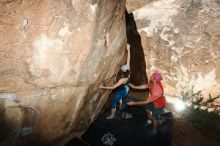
column 129, row 56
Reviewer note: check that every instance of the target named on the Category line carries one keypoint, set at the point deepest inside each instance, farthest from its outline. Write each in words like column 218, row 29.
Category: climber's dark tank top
column 123, row 86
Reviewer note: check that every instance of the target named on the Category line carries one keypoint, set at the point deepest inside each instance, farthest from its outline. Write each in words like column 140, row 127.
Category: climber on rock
column 156, row 101
column 121, row 86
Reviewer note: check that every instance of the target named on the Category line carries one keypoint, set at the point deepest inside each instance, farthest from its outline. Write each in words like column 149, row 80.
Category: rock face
column 54, row 55
column 181, row 39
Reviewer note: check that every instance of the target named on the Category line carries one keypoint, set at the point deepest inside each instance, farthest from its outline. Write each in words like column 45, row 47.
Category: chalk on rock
column 8, row 96
column 25, row 131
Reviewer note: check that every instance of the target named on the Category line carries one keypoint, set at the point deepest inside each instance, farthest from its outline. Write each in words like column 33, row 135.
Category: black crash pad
column 76, row 142
column 129, row 128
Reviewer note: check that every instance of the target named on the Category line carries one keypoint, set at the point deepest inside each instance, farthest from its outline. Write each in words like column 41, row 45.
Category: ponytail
column 126, row 74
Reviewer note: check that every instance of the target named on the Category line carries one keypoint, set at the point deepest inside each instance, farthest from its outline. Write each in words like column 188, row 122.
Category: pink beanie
column 157, row 76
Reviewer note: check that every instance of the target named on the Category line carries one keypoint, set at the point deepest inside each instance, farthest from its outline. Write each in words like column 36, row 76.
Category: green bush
column 203, row 113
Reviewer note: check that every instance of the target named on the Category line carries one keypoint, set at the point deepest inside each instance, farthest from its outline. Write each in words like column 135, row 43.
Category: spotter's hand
column 101, row 86
column 131, row 103
column 131, row 85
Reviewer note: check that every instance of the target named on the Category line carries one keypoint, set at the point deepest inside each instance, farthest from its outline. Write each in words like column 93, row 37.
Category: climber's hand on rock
column 128, row 47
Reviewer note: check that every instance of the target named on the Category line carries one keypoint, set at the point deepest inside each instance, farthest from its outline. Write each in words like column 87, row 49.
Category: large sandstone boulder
column 181, row 39
column 54, row 55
